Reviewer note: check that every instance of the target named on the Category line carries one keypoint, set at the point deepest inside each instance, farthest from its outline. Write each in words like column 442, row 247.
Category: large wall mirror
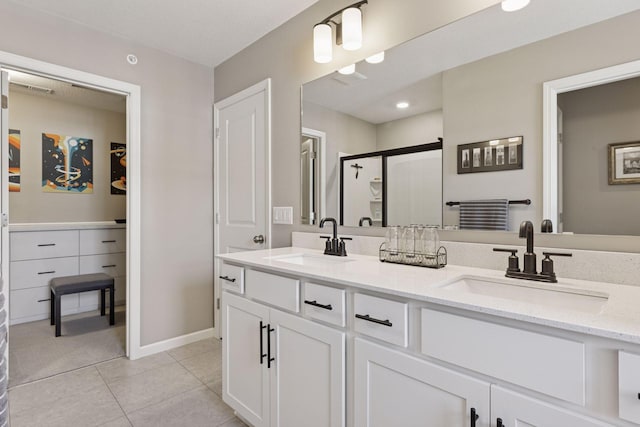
column 480, row 78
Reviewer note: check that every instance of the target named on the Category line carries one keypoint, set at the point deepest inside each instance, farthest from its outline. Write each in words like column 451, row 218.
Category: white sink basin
column 310, row 259
column 549, row 295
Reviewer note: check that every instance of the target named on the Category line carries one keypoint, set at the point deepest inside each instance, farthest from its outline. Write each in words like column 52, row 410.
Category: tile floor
column 180, row 387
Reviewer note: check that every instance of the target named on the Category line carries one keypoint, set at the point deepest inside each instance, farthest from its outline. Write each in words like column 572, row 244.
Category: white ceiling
column 372, row 96
column 203, row 31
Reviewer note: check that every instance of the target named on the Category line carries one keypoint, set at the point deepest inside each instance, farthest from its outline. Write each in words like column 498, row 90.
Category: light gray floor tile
column 122, row 367
column 193, row 349
column 205, row 366
column 199, row 407
column 120, row 422
column 234, row 422
column 152, row 386
column 216, row 386
column 78, row 398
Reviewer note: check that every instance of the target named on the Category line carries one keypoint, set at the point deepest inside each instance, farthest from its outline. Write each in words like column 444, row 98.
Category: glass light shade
column 513, row 5
column 322, row 44
column 402, row 105
column 376, row 59
column 349, row 69
column 352, row 29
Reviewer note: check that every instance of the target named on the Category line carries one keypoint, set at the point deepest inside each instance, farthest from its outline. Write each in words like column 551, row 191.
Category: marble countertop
column 51, row 226
column 619, row 317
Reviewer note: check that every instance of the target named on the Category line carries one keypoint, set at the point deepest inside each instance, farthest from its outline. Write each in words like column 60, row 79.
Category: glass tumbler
column 409, row 241
column 430, row 240
column 391, row 239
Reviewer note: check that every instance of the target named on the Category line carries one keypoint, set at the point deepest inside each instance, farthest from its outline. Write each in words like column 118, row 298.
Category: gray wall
column 419, row 129
column 594, row 118
column 286, row 55
column 176, row 175
column 33, row 115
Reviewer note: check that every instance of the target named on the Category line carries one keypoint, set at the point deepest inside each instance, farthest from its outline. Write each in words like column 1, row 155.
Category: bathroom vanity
column 315, row 340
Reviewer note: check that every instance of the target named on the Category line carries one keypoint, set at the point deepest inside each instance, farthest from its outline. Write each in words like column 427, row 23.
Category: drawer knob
column 228, row 279
column 374, row 320
column 316, row 304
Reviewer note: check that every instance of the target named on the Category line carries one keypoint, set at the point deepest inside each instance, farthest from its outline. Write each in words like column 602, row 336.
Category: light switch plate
column 283, row 215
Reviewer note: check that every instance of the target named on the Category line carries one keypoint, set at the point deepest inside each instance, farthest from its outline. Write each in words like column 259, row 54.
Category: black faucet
column 363, row 219
column 333, row 245
column 529, row 271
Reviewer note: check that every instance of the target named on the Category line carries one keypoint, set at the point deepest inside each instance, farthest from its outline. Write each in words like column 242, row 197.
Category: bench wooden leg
column 53, row 308
column 112, row 298
column 102, row 301
column 57, row 316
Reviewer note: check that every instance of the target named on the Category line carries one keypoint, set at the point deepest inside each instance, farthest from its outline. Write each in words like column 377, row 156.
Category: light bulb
column 322, row 44
column 376, row 59
column 402, row 105
column 352, row 28
column 513, row 5
column 349, row 69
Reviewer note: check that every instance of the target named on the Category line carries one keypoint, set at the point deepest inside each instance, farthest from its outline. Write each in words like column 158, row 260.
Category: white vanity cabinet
column 280, row 369
column 392, row 388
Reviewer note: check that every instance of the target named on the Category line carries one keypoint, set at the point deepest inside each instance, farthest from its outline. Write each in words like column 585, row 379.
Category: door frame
column 262, row 86
column 132, row 92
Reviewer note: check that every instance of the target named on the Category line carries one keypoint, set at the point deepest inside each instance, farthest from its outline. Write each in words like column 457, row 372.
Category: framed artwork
column 67, row 164
column 118, row 168
column 624, row 163
column 490, row 156
column 14, row 160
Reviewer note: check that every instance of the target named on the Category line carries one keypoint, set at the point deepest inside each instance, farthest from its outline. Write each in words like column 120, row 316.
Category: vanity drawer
column 114, row 265
column 37, row 272
column 325, row 303
column 103, row 241
column 381, row 318
column 279, row 291
column 43, row 244
column 551, row 365
column 629, row 386
column 36, row 302
column 232, row 278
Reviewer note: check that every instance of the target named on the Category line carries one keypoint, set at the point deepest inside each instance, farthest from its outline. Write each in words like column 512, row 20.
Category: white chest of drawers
column 36, row 256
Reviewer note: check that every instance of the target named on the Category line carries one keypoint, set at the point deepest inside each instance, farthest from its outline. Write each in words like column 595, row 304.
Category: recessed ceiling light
column 349, row 69
column 402, row 105
column 513, row 5
column 376, row 59
column 132, row 59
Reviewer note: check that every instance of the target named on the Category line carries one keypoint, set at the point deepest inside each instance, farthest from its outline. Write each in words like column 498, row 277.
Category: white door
column 509, row 409
column 242, row 175
column 245, row 383
column 308, row 382
column 395, row 389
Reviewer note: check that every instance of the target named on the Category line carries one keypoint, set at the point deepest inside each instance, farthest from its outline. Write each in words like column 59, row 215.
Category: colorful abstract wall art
column 14, row 160
column 67, row 164
column 118, row 168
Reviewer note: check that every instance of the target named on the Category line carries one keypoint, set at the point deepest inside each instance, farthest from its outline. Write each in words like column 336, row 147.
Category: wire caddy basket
column 437, row 260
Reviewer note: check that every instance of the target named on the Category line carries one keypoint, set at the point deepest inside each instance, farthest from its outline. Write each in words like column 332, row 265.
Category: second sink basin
column 310, row 259
column 534, row 293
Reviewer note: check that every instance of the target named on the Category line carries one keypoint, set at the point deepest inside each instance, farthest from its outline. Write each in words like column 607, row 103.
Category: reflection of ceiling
column 65, row 92
column 486, row 33
column 202, row 31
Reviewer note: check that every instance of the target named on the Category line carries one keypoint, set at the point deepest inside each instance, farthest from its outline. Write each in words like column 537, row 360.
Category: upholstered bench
column 81, row 283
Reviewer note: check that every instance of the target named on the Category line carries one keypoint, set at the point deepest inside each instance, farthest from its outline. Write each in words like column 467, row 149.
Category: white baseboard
column 171, row 343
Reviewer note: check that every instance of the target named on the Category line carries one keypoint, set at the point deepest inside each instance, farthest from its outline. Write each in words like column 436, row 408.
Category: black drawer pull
column 262, row 353
column 316, row 304
column 374, row 320
column 474, row 417
column 43, row 300
column 108, row 241
column 46, row 244
column 46, row 272
column 499, row 422
column 109, row 266
column 269, row 358
column 228, row 279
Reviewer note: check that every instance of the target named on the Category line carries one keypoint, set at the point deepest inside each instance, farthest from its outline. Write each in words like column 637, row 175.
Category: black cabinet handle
column 108, row 266
column 262, row 354
column 108, row 241
column 46, row 244
column 269, row 358
column 499, row 422
column 228, row 279
column 316, row 304
column 638, row 396
column 46, row 272
column 374, row 320
column 43, row 300
column 474, row 417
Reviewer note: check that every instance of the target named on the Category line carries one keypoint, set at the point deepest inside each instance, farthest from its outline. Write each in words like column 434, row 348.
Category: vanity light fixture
column 348, row 32
column 513, row 5
column 402, row 105
column 349, row 69
column 376, row 59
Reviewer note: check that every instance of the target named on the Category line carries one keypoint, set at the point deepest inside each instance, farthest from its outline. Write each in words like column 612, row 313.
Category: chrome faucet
column 529, row 271
column 333, row 245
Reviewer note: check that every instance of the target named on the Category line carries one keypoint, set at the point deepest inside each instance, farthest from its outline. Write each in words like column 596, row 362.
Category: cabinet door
column 394, row 389
column 245, row 381
column 308, row 382
column 517, row 410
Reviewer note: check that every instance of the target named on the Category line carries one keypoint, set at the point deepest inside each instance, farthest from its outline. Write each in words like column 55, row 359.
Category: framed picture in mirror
column 490, row 156
column 624, row 163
